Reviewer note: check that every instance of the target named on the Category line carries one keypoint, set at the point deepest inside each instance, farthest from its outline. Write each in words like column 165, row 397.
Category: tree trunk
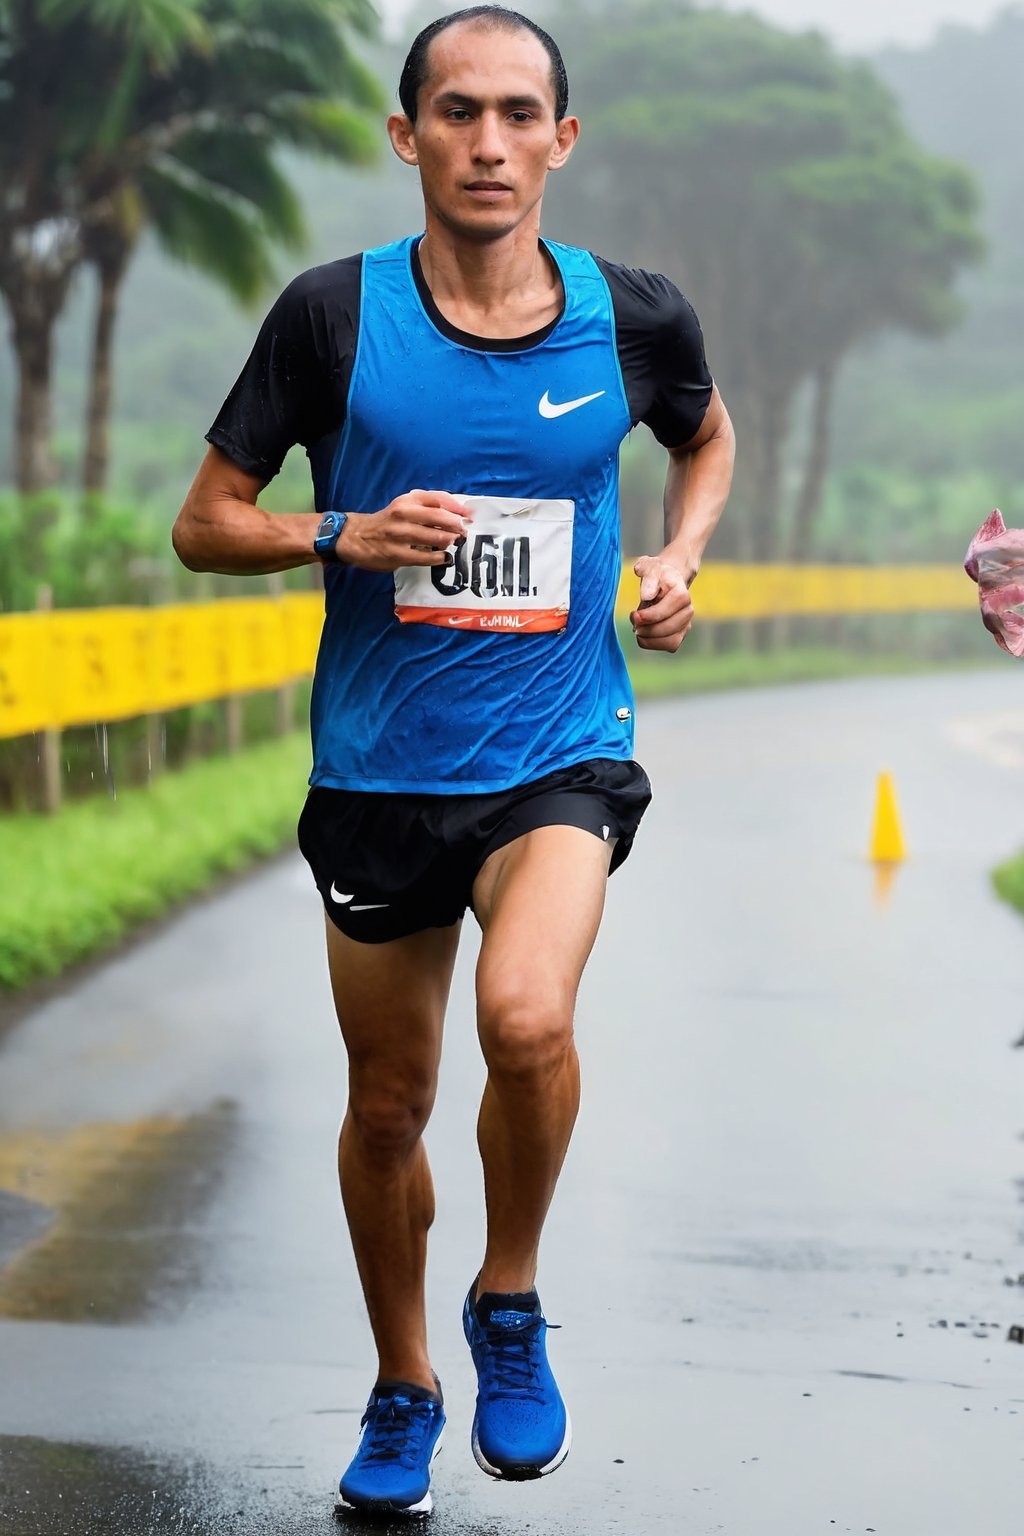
column 816, row 470
column 110, row 273
column 35, row 285
column 773, row 431
column 32, row 337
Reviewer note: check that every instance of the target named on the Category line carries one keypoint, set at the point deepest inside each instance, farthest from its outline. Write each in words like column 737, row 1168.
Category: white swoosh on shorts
column 338, row 897
column 550, row 410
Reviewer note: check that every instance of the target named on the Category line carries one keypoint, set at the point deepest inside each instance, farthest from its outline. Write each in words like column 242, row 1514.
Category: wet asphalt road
column 783, row 1247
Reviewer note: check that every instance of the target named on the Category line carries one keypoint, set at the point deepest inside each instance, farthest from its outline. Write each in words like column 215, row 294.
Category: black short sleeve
column 661, row 353
column 294, row 386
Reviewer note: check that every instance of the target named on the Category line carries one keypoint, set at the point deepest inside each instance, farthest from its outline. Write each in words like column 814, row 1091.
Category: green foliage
column 878, row 512
column 1008, row 880
column 955, row 405
column 84, row 878
column 778, row 183
column 195, row 97
column 111, row 555
column 690, row 671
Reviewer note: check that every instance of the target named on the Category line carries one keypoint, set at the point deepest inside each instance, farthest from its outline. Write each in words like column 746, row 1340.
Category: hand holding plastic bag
column 995, row 561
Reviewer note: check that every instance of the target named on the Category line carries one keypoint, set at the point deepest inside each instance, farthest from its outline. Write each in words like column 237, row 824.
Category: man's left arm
column 696, row 490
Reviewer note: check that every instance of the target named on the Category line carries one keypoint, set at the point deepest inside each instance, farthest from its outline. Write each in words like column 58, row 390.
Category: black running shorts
column 388, row 865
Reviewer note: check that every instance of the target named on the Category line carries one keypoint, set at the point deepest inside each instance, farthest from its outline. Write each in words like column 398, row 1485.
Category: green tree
column 195, row 96
column 777, row 182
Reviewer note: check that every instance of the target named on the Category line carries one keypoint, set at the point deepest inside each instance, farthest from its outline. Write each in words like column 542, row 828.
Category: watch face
column 326, row 540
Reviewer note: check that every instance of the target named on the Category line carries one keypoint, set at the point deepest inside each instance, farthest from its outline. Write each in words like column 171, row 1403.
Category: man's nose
column 489, row 146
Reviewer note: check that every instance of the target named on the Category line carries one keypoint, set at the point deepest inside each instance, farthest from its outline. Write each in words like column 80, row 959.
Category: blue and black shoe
column 390, row 1472
column 521, row 1427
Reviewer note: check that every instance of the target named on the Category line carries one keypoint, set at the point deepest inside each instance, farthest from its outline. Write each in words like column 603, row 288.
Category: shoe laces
column 513, row 1356
column 396, row 1427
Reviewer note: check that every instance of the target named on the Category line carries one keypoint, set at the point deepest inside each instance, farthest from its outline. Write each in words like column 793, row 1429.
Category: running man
column 472, row 717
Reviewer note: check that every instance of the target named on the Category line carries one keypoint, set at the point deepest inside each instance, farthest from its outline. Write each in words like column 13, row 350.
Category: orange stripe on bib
column 524, row 621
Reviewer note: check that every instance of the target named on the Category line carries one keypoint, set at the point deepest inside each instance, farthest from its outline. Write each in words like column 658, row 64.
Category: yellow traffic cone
column 887, row 845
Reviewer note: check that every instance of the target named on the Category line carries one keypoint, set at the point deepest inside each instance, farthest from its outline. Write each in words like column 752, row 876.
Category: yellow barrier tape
column 724, row 591
column 80, row 666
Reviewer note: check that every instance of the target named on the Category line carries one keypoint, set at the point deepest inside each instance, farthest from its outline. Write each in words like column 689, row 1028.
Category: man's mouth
column 487, row 186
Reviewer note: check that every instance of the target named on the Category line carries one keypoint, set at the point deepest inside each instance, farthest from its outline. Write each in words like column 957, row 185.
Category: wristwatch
column 327, row 535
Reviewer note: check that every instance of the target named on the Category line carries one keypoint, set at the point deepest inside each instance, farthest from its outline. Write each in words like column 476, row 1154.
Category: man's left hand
column 665, row 613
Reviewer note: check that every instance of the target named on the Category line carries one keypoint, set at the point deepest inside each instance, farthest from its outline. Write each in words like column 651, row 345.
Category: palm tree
column 193, row 96
column 57, row 58
column 191, row 156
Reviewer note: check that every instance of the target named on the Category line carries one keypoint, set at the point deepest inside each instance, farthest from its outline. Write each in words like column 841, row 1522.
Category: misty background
column 849, row 226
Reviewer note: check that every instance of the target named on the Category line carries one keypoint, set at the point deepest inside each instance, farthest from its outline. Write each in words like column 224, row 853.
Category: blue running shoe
column 390, row 1472
column 521, row 1427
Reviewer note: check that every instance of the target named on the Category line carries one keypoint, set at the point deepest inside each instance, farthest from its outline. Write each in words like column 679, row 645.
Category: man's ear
column 568, row 133
column 403, row 138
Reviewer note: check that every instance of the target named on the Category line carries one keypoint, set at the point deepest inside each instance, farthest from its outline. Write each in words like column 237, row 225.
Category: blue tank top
column 417, row 707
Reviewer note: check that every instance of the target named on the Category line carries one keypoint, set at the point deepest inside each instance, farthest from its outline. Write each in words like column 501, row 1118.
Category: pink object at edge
column 995, row 561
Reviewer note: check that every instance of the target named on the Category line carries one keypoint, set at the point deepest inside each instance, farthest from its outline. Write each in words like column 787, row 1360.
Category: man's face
column 485, row 134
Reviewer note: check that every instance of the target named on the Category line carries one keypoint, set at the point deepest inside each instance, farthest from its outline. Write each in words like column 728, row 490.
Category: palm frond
column 326, row 126
column 198, row 223
column 164, row 29
column 241, row 165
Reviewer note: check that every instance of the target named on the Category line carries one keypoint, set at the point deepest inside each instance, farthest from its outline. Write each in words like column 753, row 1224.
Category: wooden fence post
column 156, row 745
column 49, row 740
column 234, row 716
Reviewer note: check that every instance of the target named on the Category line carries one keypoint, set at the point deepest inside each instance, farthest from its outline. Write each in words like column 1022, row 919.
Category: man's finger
column 420, row 519
column 670, row 606
column 448, row 503
column 670, row 642
column 665, row 629
column 650, row 586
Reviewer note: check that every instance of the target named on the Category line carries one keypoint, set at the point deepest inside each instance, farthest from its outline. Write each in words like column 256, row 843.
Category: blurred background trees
column 122, row 116
column 827, row 217
column 778, row 184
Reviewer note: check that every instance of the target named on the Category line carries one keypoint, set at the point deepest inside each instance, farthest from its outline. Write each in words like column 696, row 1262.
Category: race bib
column 510, row 573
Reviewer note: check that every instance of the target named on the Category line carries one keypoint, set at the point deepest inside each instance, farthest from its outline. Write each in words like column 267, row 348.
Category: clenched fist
column 665, row 613
column 414, row 529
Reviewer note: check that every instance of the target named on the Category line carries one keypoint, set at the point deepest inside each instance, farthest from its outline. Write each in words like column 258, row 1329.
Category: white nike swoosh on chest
column 550, row 410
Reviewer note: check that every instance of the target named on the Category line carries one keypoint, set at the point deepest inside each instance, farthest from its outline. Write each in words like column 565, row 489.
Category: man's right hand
column 414, row 529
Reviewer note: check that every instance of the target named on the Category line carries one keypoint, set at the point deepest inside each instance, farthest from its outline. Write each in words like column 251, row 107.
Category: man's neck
column 506, row 287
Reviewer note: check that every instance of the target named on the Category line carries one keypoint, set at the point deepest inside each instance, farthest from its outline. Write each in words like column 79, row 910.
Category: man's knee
column 523, row 1034
column 390, row 1115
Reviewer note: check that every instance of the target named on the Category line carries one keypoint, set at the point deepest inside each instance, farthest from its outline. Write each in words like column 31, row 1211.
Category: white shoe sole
column 526, row 1474
column 385, row 1507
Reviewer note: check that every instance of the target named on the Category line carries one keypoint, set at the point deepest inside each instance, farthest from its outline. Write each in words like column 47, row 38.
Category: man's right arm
column 220, row 528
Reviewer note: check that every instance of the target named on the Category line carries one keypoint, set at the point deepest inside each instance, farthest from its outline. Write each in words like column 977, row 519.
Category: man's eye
column 522, row 117
column 458, row 115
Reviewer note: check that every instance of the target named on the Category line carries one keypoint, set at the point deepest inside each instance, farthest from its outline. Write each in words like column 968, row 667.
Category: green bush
column 76, row 883
column 1008, row 880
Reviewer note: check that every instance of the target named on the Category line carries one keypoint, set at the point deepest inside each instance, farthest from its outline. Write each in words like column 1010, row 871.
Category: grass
column 696, row 673
column 1008, row 880
column 78, row 882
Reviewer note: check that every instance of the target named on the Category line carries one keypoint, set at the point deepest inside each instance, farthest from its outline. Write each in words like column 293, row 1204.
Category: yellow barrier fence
column 77, row 667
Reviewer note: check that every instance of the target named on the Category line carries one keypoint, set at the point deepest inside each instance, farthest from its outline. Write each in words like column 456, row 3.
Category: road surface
column 788, row 1247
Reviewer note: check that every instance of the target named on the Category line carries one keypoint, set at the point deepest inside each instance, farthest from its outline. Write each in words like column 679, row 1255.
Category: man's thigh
column 390, row 1000
column 539, row 902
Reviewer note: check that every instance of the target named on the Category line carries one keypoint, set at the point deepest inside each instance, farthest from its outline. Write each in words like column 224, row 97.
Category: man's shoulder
column 652, row 291
column 329, row 279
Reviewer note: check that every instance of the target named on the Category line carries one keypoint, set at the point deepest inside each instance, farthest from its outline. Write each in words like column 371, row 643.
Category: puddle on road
column 48, row 1488
column 99, row 1224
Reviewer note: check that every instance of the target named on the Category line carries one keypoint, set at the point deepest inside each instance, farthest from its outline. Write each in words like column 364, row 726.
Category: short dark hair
column 414, row 71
